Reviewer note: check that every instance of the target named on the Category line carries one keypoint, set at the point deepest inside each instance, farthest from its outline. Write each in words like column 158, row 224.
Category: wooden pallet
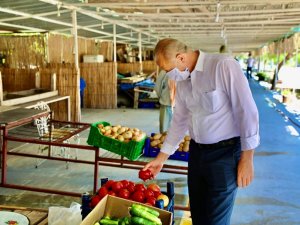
column 35, row 216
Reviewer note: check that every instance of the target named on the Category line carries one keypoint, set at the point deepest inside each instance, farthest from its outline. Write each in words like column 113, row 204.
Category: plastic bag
column 65, row 216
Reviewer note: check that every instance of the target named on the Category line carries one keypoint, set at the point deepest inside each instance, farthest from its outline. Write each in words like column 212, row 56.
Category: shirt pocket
column 212, row 101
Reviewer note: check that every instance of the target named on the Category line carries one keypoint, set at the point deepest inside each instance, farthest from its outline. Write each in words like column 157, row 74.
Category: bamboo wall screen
column 23, row 51
column 18, row 79
column 148, row 67
column 66, row 81
column 60, row 48
column 101, row 85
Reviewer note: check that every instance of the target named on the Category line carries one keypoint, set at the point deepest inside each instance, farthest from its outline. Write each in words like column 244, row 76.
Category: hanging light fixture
column 218, row 12
column 58, row 8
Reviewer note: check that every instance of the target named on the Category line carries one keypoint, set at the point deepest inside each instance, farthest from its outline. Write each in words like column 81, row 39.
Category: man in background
column 82, row 87
column 250, row 63
column 165, row 90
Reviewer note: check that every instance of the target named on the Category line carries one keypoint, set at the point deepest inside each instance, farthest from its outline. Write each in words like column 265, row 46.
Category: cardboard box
column 118, row 207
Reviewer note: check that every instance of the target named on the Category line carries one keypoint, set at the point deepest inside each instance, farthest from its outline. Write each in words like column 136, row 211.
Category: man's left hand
column 245, row 171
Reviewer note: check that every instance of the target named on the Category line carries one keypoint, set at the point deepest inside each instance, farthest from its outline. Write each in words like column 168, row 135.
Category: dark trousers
column 81, row 99
column 249, row 72
column 212, row 181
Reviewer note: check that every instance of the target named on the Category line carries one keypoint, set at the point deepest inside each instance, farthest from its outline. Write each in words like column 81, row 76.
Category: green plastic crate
column 131, row 150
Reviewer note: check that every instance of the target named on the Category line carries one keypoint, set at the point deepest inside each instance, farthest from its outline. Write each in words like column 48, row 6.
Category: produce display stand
column 98, row 160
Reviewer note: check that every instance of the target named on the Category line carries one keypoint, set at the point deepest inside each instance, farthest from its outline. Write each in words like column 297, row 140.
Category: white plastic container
column 93, row 59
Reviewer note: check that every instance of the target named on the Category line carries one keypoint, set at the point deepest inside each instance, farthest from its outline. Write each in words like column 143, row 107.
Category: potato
column 160, row 145
column 143, row 135
column 100, row 125
column 121, row 130
column 114, row 129
column 120, row 138
column 107, row 128
column 187, row 138
column 156, row 136
column 138, row 137
column 154, row 143
column 185, row 149
column 136, row 133
column 162, row 139
column 127, row 135
column 136, row 129
column 107, row 132
column 102, row 131
column 126, row 140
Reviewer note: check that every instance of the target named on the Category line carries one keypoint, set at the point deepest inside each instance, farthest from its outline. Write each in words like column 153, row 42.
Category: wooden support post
column 74, row 20
column 140, row 53
column 115, row 42
column 1, row 89
column 37, row 80
column 53, row 82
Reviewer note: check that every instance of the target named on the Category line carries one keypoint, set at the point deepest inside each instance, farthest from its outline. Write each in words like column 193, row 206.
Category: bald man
column 215, row 105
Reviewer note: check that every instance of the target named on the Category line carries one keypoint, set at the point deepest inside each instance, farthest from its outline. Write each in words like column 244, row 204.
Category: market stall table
column 96, row 161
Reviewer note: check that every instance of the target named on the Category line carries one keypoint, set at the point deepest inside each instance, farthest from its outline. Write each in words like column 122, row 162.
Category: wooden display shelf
column 35, row 216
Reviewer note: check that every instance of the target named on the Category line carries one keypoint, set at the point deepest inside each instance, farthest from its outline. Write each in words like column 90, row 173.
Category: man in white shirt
column 215, row 105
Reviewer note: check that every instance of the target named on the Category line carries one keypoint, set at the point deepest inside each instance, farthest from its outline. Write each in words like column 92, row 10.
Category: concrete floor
column 272, row 199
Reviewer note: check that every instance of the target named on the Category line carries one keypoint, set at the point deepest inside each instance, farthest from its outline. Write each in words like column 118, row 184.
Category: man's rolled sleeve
column 250, row 143
column 168, row 148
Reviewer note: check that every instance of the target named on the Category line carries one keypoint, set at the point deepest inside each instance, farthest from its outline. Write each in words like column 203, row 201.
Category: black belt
column 224, row 143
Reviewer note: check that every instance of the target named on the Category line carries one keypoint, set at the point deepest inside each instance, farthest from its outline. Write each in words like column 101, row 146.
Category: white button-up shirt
column 214, row 104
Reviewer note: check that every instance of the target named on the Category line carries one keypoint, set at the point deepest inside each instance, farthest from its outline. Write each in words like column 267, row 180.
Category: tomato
column 138, row 196
column 94, row 201
column 157, row 193
column 151, row 200
column 154, row 187
column 112, row 193
column 131, row 187
column 124, row 193
column 108, row 184
column 117, row 186
column 149, row 193
column 102, row 192
column 140, row 187
column 145, row 174
column 125, row 183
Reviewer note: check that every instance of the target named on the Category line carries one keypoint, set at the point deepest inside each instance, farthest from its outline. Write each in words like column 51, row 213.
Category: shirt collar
column 200, row 62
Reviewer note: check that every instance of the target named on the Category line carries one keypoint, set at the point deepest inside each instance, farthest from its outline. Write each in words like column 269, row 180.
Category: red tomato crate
column 159, row 203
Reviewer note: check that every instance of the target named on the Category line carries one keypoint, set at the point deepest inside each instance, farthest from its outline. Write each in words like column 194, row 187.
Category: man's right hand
column 156, row 165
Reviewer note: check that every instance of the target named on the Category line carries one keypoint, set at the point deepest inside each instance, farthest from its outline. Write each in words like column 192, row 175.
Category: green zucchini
column 145, row 208
column 127, row 220
column 109, row 222
column 141, row 221
column 144, row 214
